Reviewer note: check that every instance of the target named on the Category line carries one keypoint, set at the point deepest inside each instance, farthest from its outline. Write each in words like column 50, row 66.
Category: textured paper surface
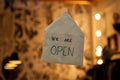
column 63, row 42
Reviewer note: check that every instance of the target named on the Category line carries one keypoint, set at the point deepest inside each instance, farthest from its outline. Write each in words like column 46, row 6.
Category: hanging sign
column 63, row 42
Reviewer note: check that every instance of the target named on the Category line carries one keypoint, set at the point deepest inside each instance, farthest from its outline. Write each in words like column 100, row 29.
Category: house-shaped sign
column 63, row 42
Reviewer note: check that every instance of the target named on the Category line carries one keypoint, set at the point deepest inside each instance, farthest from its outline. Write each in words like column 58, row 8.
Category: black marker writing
column 55, row 38
column 67, row 40
column 64, row 50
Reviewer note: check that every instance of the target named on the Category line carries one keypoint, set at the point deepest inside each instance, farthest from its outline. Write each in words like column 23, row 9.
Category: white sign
column 63, row 42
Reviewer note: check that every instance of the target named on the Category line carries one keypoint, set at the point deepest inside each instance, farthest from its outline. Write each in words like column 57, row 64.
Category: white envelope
column 63, row 42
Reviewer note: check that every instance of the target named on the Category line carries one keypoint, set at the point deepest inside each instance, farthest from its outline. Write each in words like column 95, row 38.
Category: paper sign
column 63, row 42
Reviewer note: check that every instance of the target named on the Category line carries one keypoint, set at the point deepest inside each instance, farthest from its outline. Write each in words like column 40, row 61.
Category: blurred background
column 22, row 25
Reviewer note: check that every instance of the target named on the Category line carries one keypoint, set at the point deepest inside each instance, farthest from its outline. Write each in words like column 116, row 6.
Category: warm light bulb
column 99, row 48
column 98, row 33
column 97, row 16
column 98, row 53
column 100, row 61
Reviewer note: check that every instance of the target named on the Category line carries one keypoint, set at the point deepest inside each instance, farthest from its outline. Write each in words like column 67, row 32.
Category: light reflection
column 12, row 64
column 15, row 62
column 9, row 68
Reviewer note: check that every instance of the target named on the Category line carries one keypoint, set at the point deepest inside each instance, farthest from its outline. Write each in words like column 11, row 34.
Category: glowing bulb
column 100, row 61
column 98, row 33
column 98, row 53
column 99, row 48
column 97, row 16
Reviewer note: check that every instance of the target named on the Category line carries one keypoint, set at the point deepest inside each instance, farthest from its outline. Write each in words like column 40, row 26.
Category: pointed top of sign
column 65, row 23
